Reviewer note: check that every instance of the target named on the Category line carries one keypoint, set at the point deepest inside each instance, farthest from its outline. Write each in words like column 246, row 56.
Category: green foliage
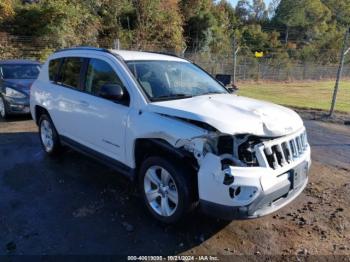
column 117, row 19
column 255, row 12
column 260, row 13
column 45, row 53
column 7, row 51
column 63, row 22
column 159, row 25
column 302, row 30
column 199, row 23
column 340, row 10
column 254, row 39
column 6, row 10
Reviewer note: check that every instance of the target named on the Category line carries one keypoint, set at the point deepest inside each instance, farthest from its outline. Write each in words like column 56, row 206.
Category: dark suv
column 16, row 77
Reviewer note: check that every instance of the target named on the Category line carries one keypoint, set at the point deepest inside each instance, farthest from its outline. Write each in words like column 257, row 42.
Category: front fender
column 142, row 125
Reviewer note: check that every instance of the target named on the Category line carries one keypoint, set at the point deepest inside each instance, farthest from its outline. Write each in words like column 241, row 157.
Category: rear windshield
column 17, row 71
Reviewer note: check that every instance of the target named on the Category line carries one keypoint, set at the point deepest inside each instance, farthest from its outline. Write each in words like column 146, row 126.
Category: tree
column 63, row 22
column 243, row 9
column 259, row 11
column 254, row 39
column 117, row 19
column 309, row 15
column 6, row 10
column 223, row 28
column 199, row 23
column 273, row 7
column 340, row 11
column 159, row 25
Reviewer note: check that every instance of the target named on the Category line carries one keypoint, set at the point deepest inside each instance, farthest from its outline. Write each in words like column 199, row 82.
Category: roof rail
column 87, row 48
column 162, row 53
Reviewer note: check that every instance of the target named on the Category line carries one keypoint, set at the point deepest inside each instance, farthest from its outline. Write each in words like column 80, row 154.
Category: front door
column 102, row 123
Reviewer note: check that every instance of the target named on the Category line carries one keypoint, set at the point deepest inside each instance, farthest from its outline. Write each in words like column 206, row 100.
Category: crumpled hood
column 22, row 85
column 232, row 114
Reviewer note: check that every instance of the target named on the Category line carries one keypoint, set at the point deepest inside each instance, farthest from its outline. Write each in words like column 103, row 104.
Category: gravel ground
column 74, row 205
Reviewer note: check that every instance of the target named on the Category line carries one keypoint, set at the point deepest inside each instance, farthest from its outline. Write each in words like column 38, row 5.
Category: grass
column 312, row 94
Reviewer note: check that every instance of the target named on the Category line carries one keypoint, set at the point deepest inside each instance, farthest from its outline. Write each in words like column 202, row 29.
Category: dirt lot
column 74, row 205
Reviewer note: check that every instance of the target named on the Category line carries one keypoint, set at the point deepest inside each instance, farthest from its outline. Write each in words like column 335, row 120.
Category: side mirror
column 112, row 92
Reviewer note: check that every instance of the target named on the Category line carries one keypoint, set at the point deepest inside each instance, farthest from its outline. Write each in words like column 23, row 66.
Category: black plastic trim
column 221, row 211
column 83, row 48
column 169, row 148
column 113, row 163
column 83, row 73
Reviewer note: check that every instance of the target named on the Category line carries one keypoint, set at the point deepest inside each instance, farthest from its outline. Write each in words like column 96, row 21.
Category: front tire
column 166, row 189
column 3, row 110
column 48, row 136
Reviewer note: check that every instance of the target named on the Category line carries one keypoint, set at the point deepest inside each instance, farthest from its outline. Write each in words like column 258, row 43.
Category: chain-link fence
column 271, row 69
column 247, row 68
column 278, row 72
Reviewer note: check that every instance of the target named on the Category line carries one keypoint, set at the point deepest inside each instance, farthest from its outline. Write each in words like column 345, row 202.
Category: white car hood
column 232, row 114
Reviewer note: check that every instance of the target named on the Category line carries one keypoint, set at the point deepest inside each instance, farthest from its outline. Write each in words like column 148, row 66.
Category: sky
column 234, row 2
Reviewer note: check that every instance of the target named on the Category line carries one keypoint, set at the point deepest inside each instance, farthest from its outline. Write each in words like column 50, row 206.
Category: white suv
column 167, row 124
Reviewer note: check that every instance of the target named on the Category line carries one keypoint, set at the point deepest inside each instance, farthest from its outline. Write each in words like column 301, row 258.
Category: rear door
column 67, row 90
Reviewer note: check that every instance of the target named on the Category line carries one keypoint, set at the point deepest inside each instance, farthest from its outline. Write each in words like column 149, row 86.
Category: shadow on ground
column 16, row 118
column 74, row 205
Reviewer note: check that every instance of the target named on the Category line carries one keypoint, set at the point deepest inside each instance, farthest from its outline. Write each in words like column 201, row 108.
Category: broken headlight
column 246, row 152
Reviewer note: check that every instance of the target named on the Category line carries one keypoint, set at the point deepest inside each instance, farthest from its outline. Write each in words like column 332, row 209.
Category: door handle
column 83, row 103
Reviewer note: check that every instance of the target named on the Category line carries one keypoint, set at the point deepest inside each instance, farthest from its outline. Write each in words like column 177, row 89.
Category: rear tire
column 48, row 136
column 166, row 189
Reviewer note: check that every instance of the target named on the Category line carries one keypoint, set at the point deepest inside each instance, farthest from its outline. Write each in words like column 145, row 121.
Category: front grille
column 283, row 151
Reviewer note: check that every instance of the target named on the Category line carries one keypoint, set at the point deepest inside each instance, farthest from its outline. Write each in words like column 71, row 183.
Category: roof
column 136, row 55
column 127, row 55
column 19, row 61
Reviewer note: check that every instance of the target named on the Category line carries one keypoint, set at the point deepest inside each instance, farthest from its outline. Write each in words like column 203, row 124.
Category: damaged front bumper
column 250, row 192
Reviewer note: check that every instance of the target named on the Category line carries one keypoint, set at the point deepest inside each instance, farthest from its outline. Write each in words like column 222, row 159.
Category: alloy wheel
column 161, row 191
column 46, row 134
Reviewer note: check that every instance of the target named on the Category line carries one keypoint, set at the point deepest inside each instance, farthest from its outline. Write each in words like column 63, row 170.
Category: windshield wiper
column 211, row 93
column 172, row 96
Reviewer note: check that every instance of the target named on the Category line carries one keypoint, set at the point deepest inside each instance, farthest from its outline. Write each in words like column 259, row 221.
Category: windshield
column 18, row 71
column 167, row 80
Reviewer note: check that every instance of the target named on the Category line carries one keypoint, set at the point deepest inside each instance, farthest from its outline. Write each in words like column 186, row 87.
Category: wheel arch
column 146, row 147
column 39, row 111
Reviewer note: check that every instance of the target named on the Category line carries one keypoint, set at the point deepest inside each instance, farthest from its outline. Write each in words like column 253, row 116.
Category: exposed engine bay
column 236, row 150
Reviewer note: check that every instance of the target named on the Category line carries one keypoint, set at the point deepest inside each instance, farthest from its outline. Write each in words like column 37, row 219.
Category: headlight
column 13, row 93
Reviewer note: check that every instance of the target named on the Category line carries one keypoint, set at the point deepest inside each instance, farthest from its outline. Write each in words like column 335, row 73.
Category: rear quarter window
column 54, row 66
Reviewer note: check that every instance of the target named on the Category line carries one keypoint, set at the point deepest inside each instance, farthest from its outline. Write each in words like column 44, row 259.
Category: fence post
column 116, row 44
column 235, row 51
column 340, row 69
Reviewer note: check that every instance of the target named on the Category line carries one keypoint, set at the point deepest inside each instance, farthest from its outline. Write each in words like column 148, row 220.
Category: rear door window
column 71, row 72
